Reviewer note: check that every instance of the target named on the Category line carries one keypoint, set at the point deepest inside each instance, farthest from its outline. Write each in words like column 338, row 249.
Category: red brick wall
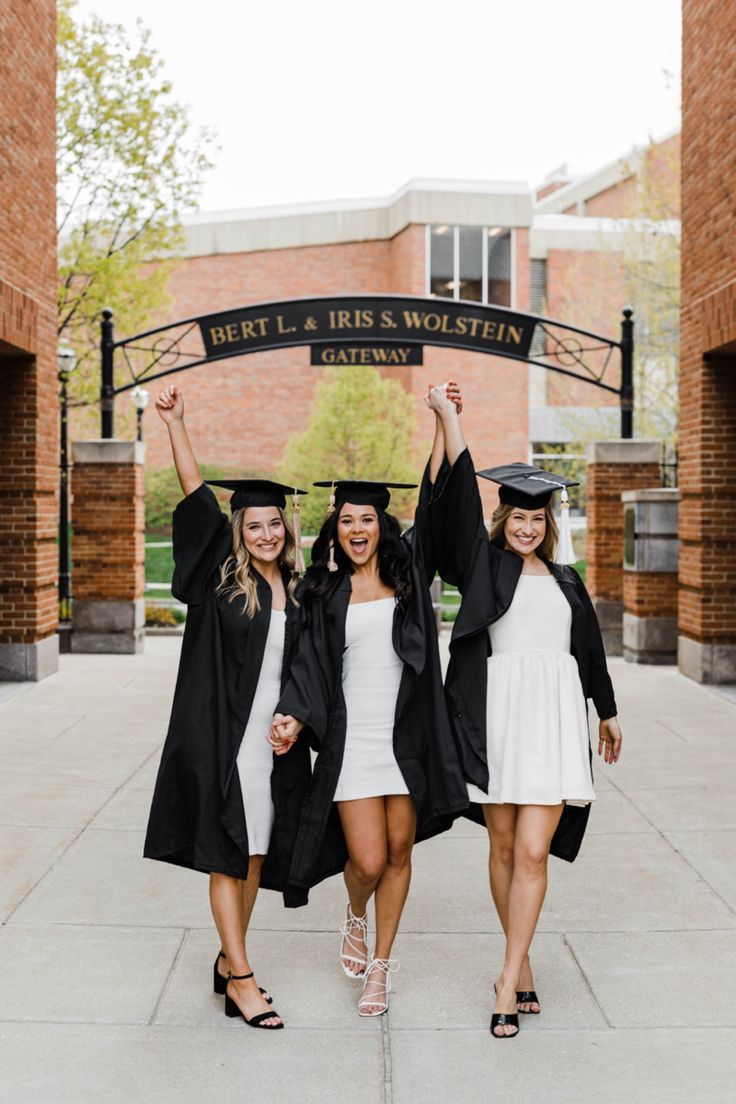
column 587, row 290
column 650, row 593
column 108, row 531
column 707, row 392
column 29, row 409
column 605, row 533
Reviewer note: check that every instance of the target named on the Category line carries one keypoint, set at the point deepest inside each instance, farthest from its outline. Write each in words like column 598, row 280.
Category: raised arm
column 447, row 409
column 170, row 407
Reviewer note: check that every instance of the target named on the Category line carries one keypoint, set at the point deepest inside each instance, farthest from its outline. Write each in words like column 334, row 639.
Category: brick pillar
column 650, row 575
column 613, row 467
column 108, row 556
column 707, row 437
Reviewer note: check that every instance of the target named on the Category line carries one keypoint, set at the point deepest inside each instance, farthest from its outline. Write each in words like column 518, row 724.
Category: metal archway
column 388, row 322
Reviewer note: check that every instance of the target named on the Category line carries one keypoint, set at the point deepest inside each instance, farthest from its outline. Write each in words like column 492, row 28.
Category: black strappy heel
column 527, row 996
column 232, row 1010
column 219, row 983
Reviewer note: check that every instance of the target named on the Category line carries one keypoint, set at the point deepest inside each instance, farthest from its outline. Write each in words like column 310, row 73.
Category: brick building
column 553, row 251
column 707, row 606
column 29, row 410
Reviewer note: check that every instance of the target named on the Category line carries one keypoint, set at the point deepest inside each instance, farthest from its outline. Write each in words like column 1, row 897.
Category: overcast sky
column 347, row 98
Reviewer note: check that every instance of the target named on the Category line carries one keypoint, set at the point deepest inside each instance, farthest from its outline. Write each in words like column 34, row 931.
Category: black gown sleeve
column 310, row 689
column 450, row 520
column 202, row 538
column 601, row 687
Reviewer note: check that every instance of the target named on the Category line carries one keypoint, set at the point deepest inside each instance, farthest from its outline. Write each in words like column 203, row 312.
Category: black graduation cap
column 526, row 487
column 362, row 492
column 255, row 492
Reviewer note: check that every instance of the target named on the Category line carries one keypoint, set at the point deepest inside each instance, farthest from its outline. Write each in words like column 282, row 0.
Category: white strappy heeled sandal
column 353, row 924
column 387, row 966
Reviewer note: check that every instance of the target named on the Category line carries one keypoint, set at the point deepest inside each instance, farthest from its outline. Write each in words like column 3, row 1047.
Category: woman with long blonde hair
column 526, row 652
column 223, row 804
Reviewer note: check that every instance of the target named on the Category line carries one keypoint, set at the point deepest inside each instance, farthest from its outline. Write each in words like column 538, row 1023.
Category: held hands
column 170, row 405
column 609, row 740
column 444, row 399
column 283, row 733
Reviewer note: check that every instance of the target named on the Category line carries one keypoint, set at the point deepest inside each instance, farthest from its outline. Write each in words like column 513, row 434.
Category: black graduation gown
column 197, row 818
column 423, row 743
column 450, row 519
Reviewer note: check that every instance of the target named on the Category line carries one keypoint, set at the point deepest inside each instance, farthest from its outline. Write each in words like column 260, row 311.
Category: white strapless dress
column 255, row 757
column 371, row 675
column 536, row 715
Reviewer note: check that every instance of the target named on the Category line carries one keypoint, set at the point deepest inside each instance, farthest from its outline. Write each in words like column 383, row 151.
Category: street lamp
column 139, row 399
column 66, row 362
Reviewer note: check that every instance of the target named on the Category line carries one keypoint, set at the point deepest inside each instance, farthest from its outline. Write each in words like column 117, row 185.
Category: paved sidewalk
column 106, row 959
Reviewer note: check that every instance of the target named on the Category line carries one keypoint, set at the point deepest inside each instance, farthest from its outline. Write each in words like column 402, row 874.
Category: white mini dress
column 255, row 757
column 371, row 675
column 536, row 715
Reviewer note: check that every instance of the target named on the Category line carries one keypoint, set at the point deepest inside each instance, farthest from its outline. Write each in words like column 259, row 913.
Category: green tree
column 128, row 164
column 360, row 427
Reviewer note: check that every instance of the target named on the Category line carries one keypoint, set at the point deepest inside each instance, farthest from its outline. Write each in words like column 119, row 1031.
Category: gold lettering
column 461, row 324
column 282, row 329
column 474, row 324
column 363, row 319
column 246, row 329
column 515, row 334
column 413, row 320
column 387, row 320
column 217, row 335
column 501, row 328
column 327, row 356
column 365, row 355
column 432, row 322
column 489, row 330
column 231, row 330
column 446, row 325
column 402, row 356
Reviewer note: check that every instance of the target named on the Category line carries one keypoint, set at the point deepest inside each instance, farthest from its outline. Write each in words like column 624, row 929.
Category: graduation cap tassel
column 565, row 553
column 296, row 525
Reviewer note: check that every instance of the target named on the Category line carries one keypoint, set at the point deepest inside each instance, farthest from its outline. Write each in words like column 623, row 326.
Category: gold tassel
column 296, row 525
column 331, row 502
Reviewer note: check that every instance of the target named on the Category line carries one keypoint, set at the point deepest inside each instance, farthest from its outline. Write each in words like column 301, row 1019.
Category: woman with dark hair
column 222, row 803
column 526, row 652
column 366, row 683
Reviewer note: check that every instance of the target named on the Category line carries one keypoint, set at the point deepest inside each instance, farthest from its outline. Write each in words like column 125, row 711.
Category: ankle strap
column 239, row 977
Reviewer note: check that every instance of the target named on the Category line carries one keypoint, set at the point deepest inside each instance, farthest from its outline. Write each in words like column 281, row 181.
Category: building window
column 470, row 262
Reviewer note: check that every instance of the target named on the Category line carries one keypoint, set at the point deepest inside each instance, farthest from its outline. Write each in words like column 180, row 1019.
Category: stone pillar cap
column 108, row 452
column 624, row 452
column 652, row 494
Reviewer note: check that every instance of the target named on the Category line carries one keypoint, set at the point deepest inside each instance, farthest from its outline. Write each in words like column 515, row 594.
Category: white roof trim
column 422, row 201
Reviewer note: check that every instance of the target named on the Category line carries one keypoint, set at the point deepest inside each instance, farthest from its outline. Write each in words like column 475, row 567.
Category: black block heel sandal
column 232, row 1010
column 527, row 996
column 219, row 983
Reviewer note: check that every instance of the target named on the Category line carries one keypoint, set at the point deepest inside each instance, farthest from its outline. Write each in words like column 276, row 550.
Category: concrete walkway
column 106, row 959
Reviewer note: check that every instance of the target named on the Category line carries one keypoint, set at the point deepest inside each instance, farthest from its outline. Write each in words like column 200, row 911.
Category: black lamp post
column 139, row 399
column 66, row 363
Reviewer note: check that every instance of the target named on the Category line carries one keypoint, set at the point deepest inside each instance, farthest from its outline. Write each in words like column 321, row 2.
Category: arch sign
column 368, row 329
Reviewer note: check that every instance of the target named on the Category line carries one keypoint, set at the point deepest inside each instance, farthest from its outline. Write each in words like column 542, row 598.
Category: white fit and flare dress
column 371, row 675
column 536, row 716
column 255, row 757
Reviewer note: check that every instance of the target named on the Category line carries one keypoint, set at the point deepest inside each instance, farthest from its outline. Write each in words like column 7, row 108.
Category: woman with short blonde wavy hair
column 226, row 802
